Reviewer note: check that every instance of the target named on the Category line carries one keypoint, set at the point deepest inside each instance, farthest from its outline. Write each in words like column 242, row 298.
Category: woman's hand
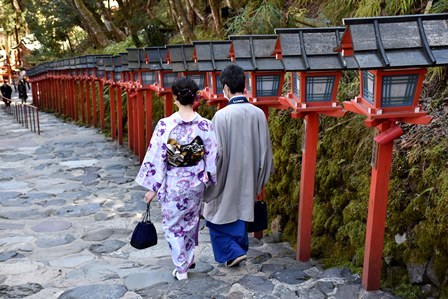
column 149, row 196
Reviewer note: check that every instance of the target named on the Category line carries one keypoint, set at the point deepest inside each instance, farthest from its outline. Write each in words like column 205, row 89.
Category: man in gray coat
column 243, row 169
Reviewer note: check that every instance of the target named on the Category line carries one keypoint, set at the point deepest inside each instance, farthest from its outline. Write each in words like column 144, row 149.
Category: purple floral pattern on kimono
column 179, row 189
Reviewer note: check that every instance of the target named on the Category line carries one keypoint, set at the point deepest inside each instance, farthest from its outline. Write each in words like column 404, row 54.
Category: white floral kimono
column 180, row 189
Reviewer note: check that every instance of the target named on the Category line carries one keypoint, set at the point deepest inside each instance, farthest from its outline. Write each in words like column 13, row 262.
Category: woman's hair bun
column 185, row 89
column 185, row 92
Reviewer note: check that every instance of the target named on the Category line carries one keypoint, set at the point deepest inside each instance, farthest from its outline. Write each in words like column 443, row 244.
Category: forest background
column 415, row 257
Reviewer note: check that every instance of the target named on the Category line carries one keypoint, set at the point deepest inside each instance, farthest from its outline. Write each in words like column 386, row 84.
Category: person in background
column 21, row 88
column 14, row 84
column 244, row 167
column 180, row 161
column 6, row 91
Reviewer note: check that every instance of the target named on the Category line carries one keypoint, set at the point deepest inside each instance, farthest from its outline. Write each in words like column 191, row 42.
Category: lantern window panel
column 219, row 87
column 148, row 78
column 108, row 75
column 368, row 84
column 267, row 86
column 91, row 71
column 319, row 88
column 159, row 77
column 99, row 74
column 210, row 81
column 198, row 78
column 136, row 78
column 117, row 76
column 296, row 84
column 168, row 79
column 398, row 90
column 248, row 83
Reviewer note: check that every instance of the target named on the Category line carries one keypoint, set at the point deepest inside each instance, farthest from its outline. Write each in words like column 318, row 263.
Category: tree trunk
column 94, row 29
column 230, row 4
column 69, row 42
column 197, row 11
column 190, row 12
column 214, row 6
column 383, row 7
column 148, row 7
column 125, row 10
column 181, row 20
column 116, row 33
column 428, row 7
column 17, row 6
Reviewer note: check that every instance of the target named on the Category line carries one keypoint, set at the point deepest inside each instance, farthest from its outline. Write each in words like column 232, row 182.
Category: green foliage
column 115, row 48
column 336, row 10
column 440, row 7
column 405, row 290
column 50, row 23
column 402, row 7
column 7, row 17
column 256, row 18
column 283, row 188
column 206, row 111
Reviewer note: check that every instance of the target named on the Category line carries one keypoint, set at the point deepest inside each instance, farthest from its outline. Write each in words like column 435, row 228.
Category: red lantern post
column 315, row 72
column 393, row 53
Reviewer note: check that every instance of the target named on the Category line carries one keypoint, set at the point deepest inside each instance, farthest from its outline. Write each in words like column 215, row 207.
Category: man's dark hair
column 233, row 76
column 185, row 89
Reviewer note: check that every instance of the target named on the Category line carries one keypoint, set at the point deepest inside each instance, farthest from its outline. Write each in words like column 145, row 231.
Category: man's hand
column 149, row 196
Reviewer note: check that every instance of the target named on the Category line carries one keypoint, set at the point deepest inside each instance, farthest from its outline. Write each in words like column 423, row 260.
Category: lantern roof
column 180, row 57
column 73, row 63
column 312, row 49
column 134, row 57
column 124, row 61
column 56, row 65
column 254, row 52
column 61, row 65
column 137, row 59
column 90, row 61
column 103, row 61
column 45, row 67
column 212, row 55
column 156, row 58
column 116, row 63
column 397, row 42
column 81, row 62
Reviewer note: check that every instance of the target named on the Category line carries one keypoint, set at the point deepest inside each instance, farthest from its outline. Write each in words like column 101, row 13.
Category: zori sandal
column 180, row 276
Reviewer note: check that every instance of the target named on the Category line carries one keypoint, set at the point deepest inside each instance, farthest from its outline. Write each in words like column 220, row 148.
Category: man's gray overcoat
column 244, row 165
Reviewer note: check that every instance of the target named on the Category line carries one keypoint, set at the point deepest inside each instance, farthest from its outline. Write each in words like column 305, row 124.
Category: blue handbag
column 144, row 234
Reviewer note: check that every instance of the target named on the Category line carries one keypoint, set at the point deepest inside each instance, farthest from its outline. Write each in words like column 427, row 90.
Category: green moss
column 407, row 291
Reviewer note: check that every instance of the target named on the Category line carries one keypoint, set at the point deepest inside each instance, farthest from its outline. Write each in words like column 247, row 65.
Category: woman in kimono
column 179, row 163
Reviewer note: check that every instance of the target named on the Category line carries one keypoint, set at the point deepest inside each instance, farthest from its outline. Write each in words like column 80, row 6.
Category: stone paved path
column 68, row 205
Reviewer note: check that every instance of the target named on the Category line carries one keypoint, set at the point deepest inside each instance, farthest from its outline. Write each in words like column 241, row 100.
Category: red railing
column 82, row 98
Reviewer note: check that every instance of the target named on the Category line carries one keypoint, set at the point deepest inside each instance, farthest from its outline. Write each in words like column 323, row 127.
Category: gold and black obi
column 184, row 155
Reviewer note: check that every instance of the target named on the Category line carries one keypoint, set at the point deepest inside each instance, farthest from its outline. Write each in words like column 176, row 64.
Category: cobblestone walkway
column 68, row 205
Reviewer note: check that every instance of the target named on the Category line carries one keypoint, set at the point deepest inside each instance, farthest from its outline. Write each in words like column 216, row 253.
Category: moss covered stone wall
column 415, row 245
